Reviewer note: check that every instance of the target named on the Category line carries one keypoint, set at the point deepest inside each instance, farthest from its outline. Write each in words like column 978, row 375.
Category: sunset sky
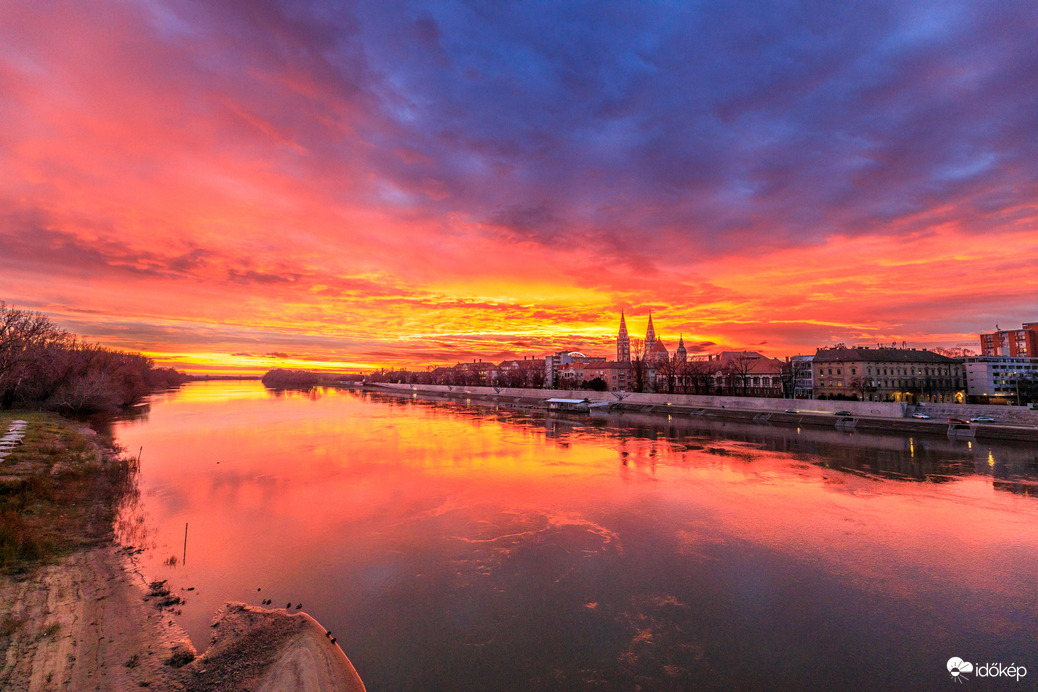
column 232, row 186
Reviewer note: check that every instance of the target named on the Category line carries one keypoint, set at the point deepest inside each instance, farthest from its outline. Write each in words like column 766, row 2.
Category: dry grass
column 58, row 492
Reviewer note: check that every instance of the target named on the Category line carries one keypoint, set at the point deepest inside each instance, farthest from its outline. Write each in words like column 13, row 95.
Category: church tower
column 682, row 354
column 650, row 339
column 623, row 342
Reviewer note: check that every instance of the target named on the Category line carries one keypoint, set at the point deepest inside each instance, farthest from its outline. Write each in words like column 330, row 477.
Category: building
column 476, row 373
column 527, row 372
column 650, row 340
column 556, row 362
column 616, row 374
column 681, row 355
column 997, row 379
column 1021, row 342
column 623, row 342
column 886, row 374
column 803, row 377
column 746, row 373
column 658, row 353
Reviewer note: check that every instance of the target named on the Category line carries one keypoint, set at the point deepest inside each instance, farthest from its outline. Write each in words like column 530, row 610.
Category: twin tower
column 653, row 350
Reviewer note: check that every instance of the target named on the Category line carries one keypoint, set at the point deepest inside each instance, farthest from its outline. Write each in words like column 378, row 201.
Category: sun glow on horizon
column 231, row 190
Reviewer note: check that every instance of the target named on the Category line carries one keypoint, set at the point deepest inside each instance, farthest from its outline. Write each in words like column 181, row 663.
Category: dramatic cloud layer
column 236, row 185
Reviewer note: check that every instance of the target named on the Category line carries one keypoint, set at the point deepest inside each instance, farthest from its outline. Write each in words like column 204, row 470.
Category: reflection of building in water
column 936, row 459
column 1017, row 487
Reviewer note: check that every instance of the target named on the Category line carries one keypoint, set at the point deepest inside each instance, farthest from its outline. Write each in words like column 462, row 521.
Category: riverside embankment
column 77, row 613
column 1010, row 422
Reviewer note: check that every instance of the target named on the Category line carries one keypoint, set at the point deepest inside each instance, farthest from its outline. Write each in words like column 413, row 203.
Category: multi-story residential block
column 616, row 374
column 1021, row 342
column 803, row 377
column 556, row 362
column 887, row 374
column 997, row 379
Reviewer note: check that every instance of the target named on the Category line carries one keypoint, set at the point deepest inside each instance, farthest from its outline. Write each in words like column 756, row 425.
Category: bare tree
column 956, row 352
column 639, row 374
column 736, row 371
column 862, row 386
column 788, row 379
column 668, row 370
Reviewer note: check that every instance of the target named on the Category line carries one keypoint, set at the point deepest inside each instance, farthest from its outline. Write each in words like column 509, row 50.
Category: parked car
column 791, row 410
column 843, row 413
column 957, row 420
column 920, row 415
column 982, row 419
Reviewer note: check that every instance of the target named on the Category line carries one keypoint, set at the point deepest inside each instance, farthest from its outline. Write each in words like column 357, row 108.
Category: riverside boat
column 575, row 405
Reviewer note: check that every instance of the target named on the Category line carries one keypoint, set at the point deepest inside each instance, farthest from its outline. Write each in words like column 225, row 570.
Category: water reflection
column 934, row 458
column 481, row 547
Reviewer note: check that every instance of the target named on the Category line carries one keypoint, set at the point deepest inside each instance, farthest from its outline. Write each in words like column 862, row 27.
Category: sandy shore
column 87, row 623
column 90, row 621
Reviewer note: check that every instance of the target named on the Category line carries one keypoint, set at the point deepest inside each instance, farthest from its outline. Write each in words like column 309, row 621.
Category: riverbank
column 1010, row 423
column 76, row 613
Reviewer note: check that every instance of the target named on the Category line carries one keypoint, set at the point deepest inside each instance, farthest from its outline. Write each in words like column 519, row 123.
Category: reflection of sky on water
column 500, row 549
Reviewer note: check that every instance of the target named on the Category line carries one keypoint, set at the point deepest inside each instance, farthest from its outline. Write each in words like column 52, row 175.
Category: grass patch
column 59, row 492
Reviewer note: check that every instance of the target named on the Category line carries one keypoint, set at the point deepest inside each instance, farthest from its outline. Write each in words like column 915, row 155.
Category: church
column 653, row 351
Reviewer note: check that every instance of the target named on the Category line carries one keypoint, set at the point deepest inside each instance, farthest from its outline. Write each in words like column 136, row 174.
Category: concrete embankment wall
column 869, row 416
column 1005, row 415
column 751, row 404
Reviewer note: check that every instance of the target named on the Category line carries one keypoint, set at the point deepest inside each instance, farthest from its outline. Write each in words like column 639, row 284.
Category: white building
column 803, row 377
column 997, row 376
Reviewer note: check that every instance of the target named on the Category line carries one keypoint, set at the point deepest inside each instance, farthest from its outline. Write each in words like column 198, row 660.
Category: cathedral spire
column 623, row 342
column 650, row 338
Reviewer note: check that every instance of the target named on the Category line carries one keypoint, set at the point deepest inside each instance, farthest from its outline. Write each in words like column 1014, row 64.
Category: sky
column 234, row 186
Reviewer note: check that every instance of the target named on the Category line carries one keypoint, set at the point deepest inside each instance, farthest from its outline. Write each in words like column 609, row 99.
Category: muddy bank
column 83, row 624
column 76, row 614
column 88, row 623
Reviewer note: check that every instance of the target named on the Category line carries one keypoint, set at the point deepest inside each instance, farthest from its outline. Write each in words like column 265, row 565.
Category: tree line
column 731, row 377
column 46, row 367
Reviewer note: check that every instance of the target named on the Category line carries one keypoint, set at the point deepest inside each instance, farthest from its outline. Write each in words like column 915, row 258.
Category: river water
column 463, row 547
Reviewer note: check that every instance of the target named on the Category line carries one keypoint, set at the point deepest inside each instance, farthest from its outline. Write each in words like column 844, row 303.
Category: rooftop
column 880, row 355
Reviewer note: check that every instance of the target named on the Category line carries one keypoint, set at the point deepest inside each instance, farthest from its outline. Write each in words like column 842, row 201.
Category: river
column 459, row 547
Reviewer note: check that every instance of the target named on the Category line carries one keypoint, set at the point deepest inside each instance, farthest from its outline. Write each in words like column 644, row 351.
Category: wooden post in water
column 139, row 455
column 184, row 561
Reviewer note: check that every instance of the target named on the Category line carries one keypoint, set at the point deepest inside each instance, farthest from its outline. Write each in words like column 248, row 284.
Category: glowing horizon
column 229, row 188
